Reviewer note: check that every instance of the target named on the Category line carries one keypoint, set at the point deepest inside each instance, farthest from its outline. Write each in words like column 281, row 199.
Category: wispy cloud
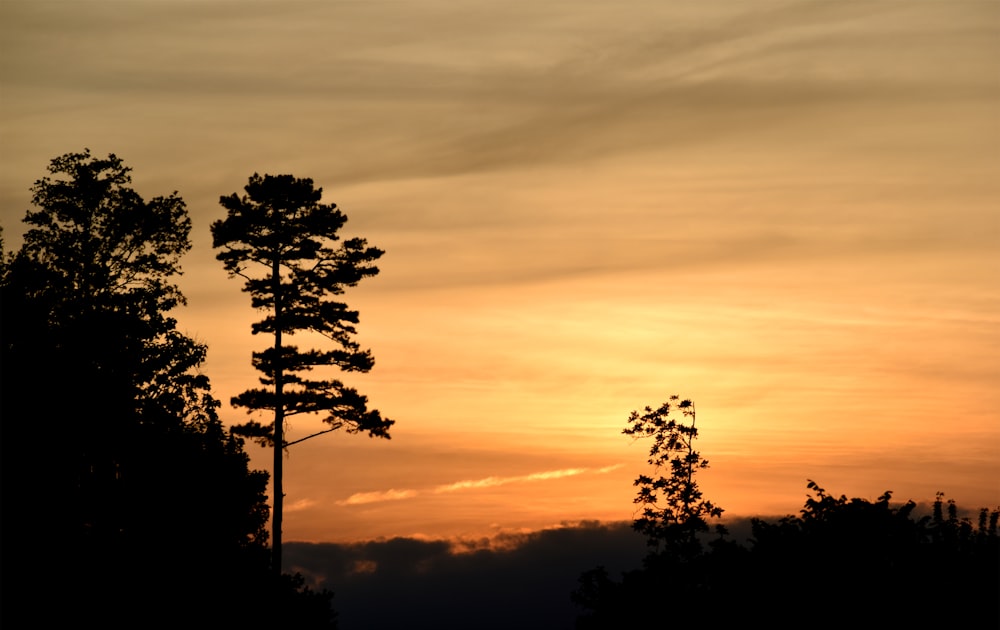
column 360, row 498
column 392, row 494
column 490, row 482
column 608, row 469
column 301, row 504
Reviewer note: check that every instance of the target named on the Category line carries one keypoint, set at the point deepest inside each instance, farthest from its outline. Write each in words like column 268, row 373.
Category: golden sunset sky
column 786, row 211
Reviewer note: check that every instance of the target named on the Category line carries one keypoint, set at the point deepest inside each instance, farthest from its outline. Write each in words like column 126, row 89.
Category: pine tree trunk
column 279, row 425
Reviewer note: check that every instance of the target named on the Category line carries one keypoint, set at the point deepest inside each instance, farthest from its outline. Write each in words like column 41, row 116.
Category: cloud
column 392, row 494
column 514, row 580
column 448, row 93
column 521, row 580
column 490, row 482
column 301, row 504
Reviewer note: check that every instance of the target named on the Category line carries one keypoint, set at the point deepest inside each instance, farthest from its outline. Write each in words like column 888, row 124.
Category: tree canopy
column 839, row 562
column 118, row 474
column 283, row 241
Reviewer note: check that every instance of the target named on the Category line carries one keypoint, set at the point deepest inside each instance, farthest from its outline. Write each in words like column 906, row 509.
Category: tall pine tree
column 283, row 241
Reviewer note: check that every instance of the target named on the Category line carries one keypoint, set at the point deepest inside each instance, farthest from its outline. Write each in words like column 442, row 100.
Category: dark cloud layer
column 513, row 581
column 519, row 580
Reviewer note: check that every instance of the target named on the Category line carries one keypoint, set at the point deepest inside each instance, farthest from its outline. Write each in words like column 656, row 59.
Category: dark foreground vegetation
column 127, row 503
column 841, row 562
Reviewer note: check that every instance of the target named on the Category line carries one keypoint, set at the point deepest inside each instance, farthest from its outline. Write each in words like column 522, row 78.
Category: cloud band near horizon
column 361, row 498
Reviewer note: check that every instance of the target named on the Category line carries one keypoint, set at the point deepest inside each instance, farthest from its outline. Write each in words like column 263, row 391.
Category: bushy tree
column 119, row 480
column 86, row 302
column 879, row 560
column 283, row 241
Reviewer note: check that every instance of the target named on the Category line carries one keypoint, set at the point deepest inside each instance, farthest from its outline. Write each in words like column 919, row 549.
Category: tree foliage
column 283, row 241
column 97, row 266
column 117, row 469
column 674, row 511
column 839, row 562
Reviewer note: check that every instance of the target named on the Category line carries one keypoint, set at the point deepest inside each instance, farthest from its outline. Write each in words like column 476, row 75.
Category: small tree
column 673, row 509
column 284, row 243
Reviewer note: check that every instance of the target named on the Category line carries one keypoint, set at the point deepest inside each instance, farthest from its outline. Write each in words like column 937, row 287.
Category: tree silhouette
column 117, row 469
column 284, row 243
column 674, row 511
column 86, row 300
column 839, row 562
column 673, row 514
column 100, row 261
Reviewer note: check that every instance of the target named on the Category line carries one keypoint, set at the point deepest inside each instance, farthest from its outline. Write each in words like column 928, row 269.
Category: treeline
column 126, row 502
column 840, row 563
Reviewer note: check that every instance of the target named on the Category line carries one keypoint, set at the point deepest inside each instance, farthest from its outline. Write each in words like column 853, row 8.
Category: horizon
column 785, row 212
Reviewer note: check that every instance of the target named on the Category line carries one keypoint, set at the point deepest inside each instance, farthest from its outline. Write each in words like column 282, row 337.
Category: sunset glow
column 785, row 211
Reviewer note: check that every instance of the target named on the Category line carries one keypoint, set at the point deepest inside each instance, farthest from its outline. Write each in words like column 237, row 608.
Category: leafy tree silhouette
column 674, row 510
column 840, row 561
column 674, row 514
column 119, row 479
column 879, row 561
column 283, row 242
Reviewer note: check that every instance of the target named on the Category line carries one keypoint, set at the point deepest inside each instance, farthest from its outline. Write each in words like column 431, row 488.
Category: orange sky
column 787, row 211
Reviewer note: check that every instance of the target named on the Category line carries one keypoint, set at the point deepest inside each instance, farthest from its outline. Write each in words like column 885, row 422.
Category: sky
column 784, row 211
